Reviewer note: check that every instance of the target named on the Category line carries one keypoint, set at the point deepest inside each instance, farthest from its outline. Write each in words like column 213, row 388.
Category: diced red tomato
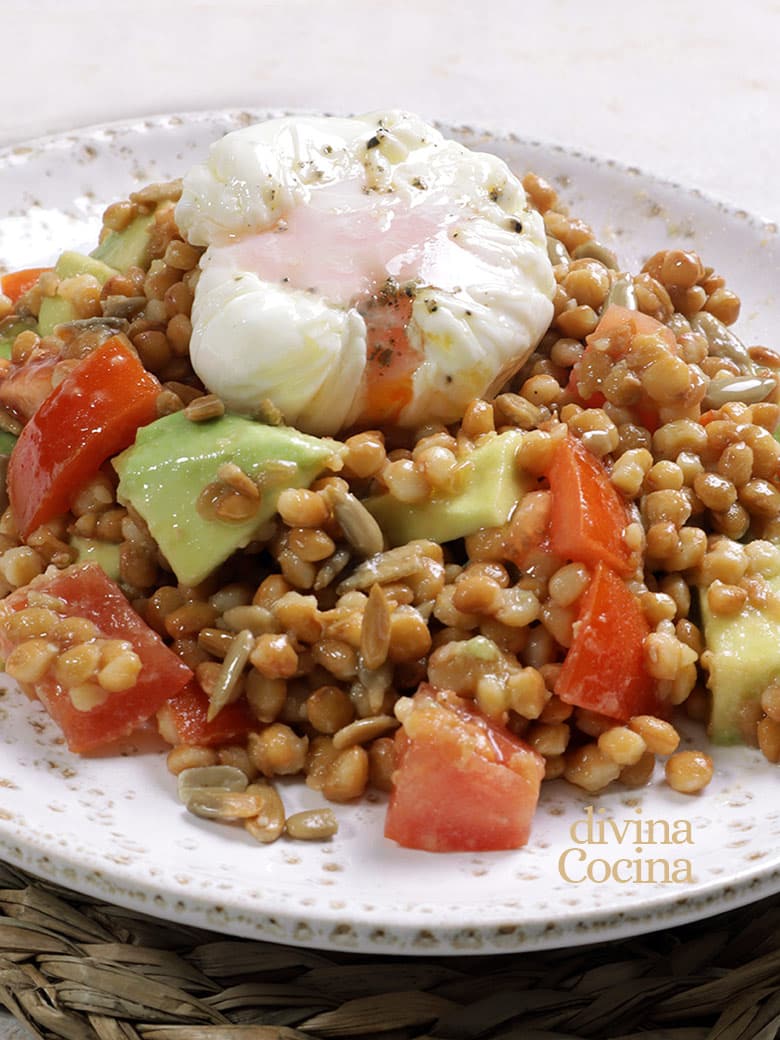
column 17, row 283
column 604, row 669
column 463, row 783
column 90, row 416
column 86, row 592
column 588, row 516
column 183, row 719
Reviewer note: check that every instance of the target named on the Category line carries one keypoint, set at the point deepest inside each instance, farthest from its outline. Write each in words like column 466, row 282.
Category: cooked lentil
column 590, row 768
column 660, row 736
column 346, row 775
column 689, row 771
column 640, row 773
column 623, row 745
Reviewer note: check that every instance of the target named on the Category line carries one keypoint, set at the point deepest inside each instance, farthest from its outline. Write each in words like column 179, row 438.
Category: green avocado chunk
column 104, row 554
column 743, row 656
column 174, row 460
column 492, row 488
column 55, row 310
column 72, row 263
column 129, row 247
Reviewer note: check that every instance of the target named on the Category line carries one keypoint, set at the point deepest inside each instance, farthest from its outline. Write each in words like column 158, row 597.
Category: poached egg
column 361, row 271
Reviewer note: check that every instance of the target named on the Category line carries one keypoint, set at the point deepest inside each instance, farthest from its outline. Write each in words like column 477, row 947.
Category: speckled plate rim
column 496, row 931
column 18, row 152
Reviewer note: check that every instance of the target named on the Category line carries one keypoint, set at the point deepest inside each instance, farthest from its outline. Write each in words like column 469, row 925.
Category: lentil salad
column 484, row 584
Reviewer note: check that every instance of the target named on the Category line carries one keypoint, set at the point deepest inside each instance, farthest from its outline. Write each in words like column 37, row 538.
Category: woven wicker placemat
column 77, row 968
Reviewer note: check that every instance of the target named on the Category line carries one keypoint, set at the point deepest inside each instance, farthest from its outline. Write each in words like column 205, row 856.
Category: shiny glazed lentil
column 320, row 629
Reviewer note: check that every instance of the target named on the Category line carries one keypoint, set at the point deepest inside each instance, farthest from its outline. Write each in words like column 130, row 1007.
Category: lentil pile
column 317, row 629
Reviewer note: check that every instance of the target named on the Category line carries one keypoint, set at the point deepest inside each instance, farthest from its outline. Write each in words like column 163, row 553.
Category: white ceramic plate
column 111, row 826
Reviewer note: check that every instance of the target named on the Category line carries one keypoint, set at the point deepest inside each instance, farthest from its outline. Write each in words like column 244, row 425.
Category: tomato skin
column 17, row 283
column 183, row 719
column 92, row 414
column 463, row 783
column 588, row 516
column 87, row 592
column 604, row 669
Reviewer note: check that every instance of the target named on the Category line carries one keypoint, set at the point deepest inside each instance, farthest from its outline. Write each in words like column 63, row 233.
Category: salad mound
column 451, row 609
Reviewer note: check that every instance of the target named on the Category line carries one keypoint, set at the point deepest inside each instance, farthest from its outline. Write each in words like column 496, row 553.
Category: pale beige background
column 686, row 90
column 681, row 88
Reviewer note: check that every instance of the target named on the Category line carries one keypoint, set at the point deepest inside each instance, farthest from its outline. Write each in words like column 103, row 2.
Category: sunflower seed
column 387, row 566
column 375, row 628
column 723, row 343
column 268, row 823
column 592, row 250
column 199, row 778
column 360, row 528
column 312, row 825
column 749, row 389
column 331, row 568
column 214, row 804
column 361, row 731
column 226, row 687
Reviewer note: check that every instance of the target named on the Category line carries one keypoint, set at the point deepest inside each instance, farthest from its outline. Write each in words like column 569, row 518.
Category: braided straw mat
column 76, row 968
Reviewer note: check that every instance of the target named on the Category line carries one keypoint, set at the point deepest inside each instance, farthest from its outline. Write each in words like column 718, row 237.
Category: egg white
column 255, row 342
